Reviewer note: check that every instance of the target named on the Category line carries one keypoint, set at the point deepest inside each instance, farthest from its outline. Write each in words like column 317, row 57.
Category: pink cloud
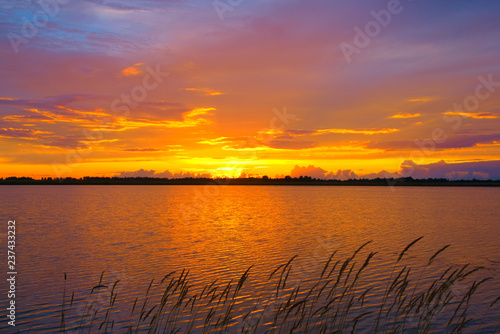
column 454, row 171
column 312, row 171
column 166, row 174
column 320, row 173
column 481, row 170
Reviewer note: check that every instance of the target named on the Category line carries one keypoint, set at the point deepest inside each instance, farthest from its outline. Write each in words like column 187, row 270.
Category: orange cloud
column 190, row 119
column 216, row 141
column 364, row 132
column 272, row 139
column 422, row 99
column 49, row 117
column 297, row 132
column 89, row 119
column 482, row 115
column 16, row 133
column 132, row 70
column 210, row 92
column 493, row 143
column 197, row 112
column 405, row 115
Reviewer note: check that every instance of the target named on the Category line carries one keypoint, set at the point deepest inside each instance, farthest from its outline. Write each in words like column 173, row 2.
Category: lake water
column 139, row 233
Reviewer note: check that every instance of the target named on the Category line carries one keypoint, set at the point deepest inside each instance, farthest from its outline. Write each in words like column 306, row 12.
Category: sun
column 227, row 172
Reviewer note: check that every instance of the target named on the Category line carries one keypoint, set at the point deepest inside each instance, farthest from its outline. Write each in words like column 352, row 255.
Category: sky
column 171, row 88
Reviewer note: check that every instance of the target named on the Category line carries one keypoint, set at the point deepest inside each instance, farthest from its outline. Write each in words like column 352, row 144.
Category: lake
column 139, row 233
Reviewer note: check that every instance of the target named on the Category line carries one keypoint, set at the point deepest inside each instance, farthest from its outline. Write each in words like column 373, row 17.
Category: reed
column 337, row 300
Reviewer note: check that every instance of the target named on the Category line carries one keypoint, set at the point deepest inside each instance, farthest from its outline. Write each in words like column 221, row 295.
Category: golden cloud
column 405, row 115
column 487, row 115
column 132, row 70
column 421, row 99
column 210, row 92
column 364, row 132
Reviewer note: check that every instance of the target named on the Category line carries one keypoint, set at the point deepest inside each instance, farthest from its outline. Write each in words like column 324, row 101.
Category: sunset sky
column 333, row 89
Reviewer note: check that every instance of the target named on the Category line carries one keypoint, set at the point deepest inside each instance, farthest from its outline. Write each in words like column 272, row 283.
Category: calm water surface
column 137, row 233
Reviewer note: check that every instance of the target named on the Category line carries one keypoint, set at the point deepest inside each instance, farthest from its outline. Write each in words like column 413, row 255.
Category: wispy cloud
column 421, row 99
column 14, row 133
column 405, row 115
column 363, row 132
column 165, row 174
column 300, row 132
column 481, row 115
column 452, row 142
column 132, row 70
column 209, row 92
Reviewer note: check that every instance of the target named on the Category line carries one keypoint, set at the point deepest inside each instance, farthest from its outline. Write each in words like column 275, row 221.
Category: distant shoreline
column 288, row 181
